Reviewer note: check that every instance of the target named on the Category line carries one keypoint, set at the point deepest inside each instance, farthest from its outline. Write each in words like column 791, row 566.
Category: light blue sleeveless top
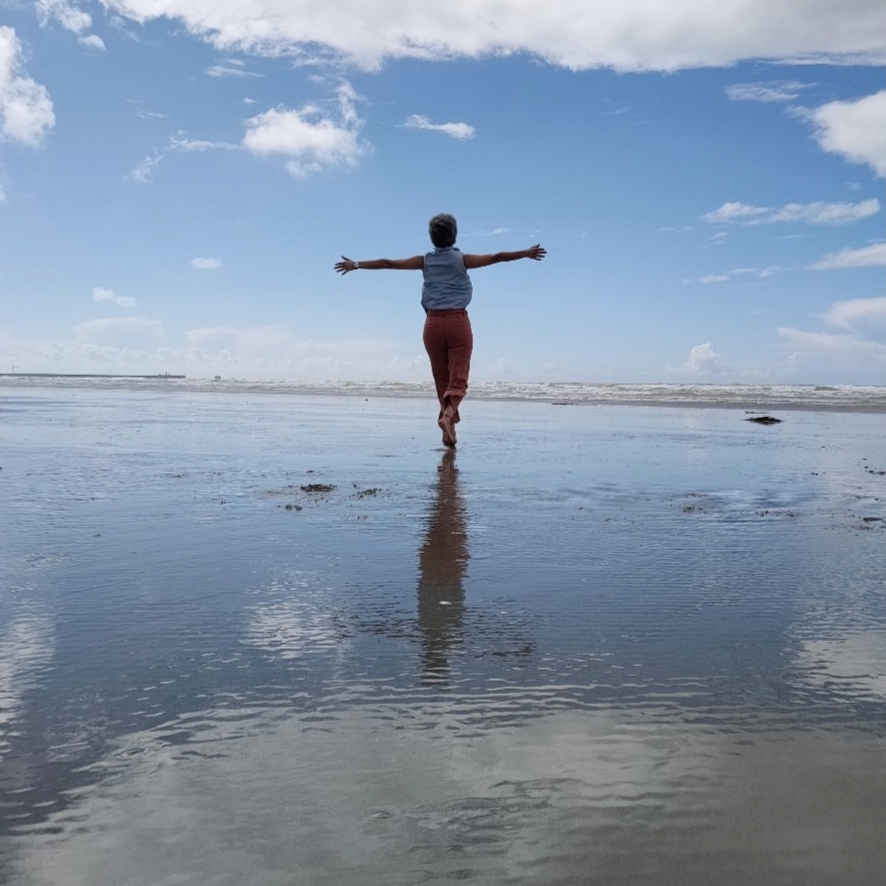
column 447, row 285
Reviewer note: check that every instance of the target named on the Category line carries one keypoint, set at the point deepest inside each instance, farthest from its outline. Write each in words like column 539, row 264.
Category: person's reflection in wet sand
column 442, row 562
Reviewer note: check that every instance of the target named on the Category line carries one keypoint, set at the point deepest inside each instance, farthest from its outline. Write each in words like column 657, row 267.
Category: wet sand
column 275, row 639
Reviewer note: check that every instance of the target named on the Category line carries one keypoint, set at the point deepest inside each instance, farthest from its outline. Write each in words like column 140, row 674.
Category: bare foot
column 445, row 424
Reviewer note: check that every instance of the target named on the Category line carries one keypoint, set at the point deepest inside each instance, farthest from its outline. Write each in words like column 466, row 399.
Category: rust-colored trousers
column 449, row 342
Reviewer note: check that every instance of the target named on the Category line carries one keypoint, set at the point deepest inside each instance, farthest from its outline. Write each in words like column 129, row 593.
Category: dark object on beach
column 764, row 420
column 317, row 488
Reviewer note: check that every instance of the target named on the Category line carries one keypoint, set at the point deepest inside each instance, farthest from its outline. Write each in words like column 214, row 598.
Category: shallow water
column 254, row 638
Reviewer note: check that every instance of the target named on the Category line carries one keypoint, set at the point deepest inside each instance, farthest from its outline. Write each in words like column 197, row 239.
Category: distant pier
column 163, row 375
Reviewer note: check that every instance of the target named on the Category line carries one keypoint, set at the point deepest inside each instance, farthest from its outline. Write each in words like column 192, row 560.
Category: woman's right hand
column 345, row 266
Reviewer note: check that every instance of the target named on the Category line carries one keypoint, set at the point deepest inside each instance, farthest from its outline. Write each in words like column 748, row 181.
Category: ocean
column 275, row 633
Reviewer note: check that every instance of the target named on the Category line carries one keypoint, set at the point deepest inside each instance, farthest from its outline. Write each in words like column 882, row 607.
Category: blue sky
column 707, row 179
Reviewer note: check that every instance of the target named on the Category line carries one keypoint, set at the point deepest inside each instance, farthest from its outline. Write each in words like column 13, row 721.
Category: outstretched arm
column 536, row 253
column 346, row 265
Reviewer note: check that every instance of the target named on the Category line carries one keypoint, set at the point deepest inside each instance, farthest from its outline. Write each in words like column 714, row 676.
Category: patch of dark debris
column 873, row 523
column 315, row 494
column 761, row 512
column 764, row 420
column 318, row 488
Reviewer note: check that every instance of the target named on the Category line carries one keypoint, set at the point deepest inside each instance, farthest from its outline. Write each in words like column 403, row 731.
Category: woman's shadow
column 442, row 563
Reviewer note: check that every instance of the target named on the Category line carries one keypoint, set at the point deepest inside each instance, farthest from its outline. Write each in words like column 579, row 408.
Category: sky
column 178, row 177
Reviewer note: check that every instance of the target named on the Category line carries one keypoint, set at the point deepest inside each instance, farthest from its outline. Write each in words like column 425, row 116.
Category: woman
column 445, row 296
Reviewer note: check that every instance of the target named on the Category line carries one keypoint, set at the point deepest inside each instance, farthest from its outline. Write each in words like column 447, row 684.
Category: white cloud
column 68, row 16
column 632, row 35
column 311, row 140
column 179, row 143
column 142, row 113
column 703, row 361
column 461, row 131
column 866, row 257
column 773, row 91
column 821, row 213
column 108, row 295
column 92, row 41
column 205, row 264
column 863, row 316
column 840, row 60
column 854, row 129
column 71, row 18
column 818, row 213
column 730, row 212
column 861, row 345
column 717, row 239
column 230, row 67
column 142, row 172
column 26, row 111
column 813, row 343
column 760, row 273
column 702, row 358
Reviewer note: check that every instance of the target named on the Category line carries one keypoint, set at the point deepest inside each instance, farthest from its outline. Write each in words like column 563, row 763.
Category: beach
column 261, row 636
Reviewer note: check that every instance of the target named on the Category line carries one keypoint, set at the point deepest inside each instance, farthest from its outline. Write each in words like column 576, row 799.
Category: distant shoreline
column 752, row 398
column 83, row 375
